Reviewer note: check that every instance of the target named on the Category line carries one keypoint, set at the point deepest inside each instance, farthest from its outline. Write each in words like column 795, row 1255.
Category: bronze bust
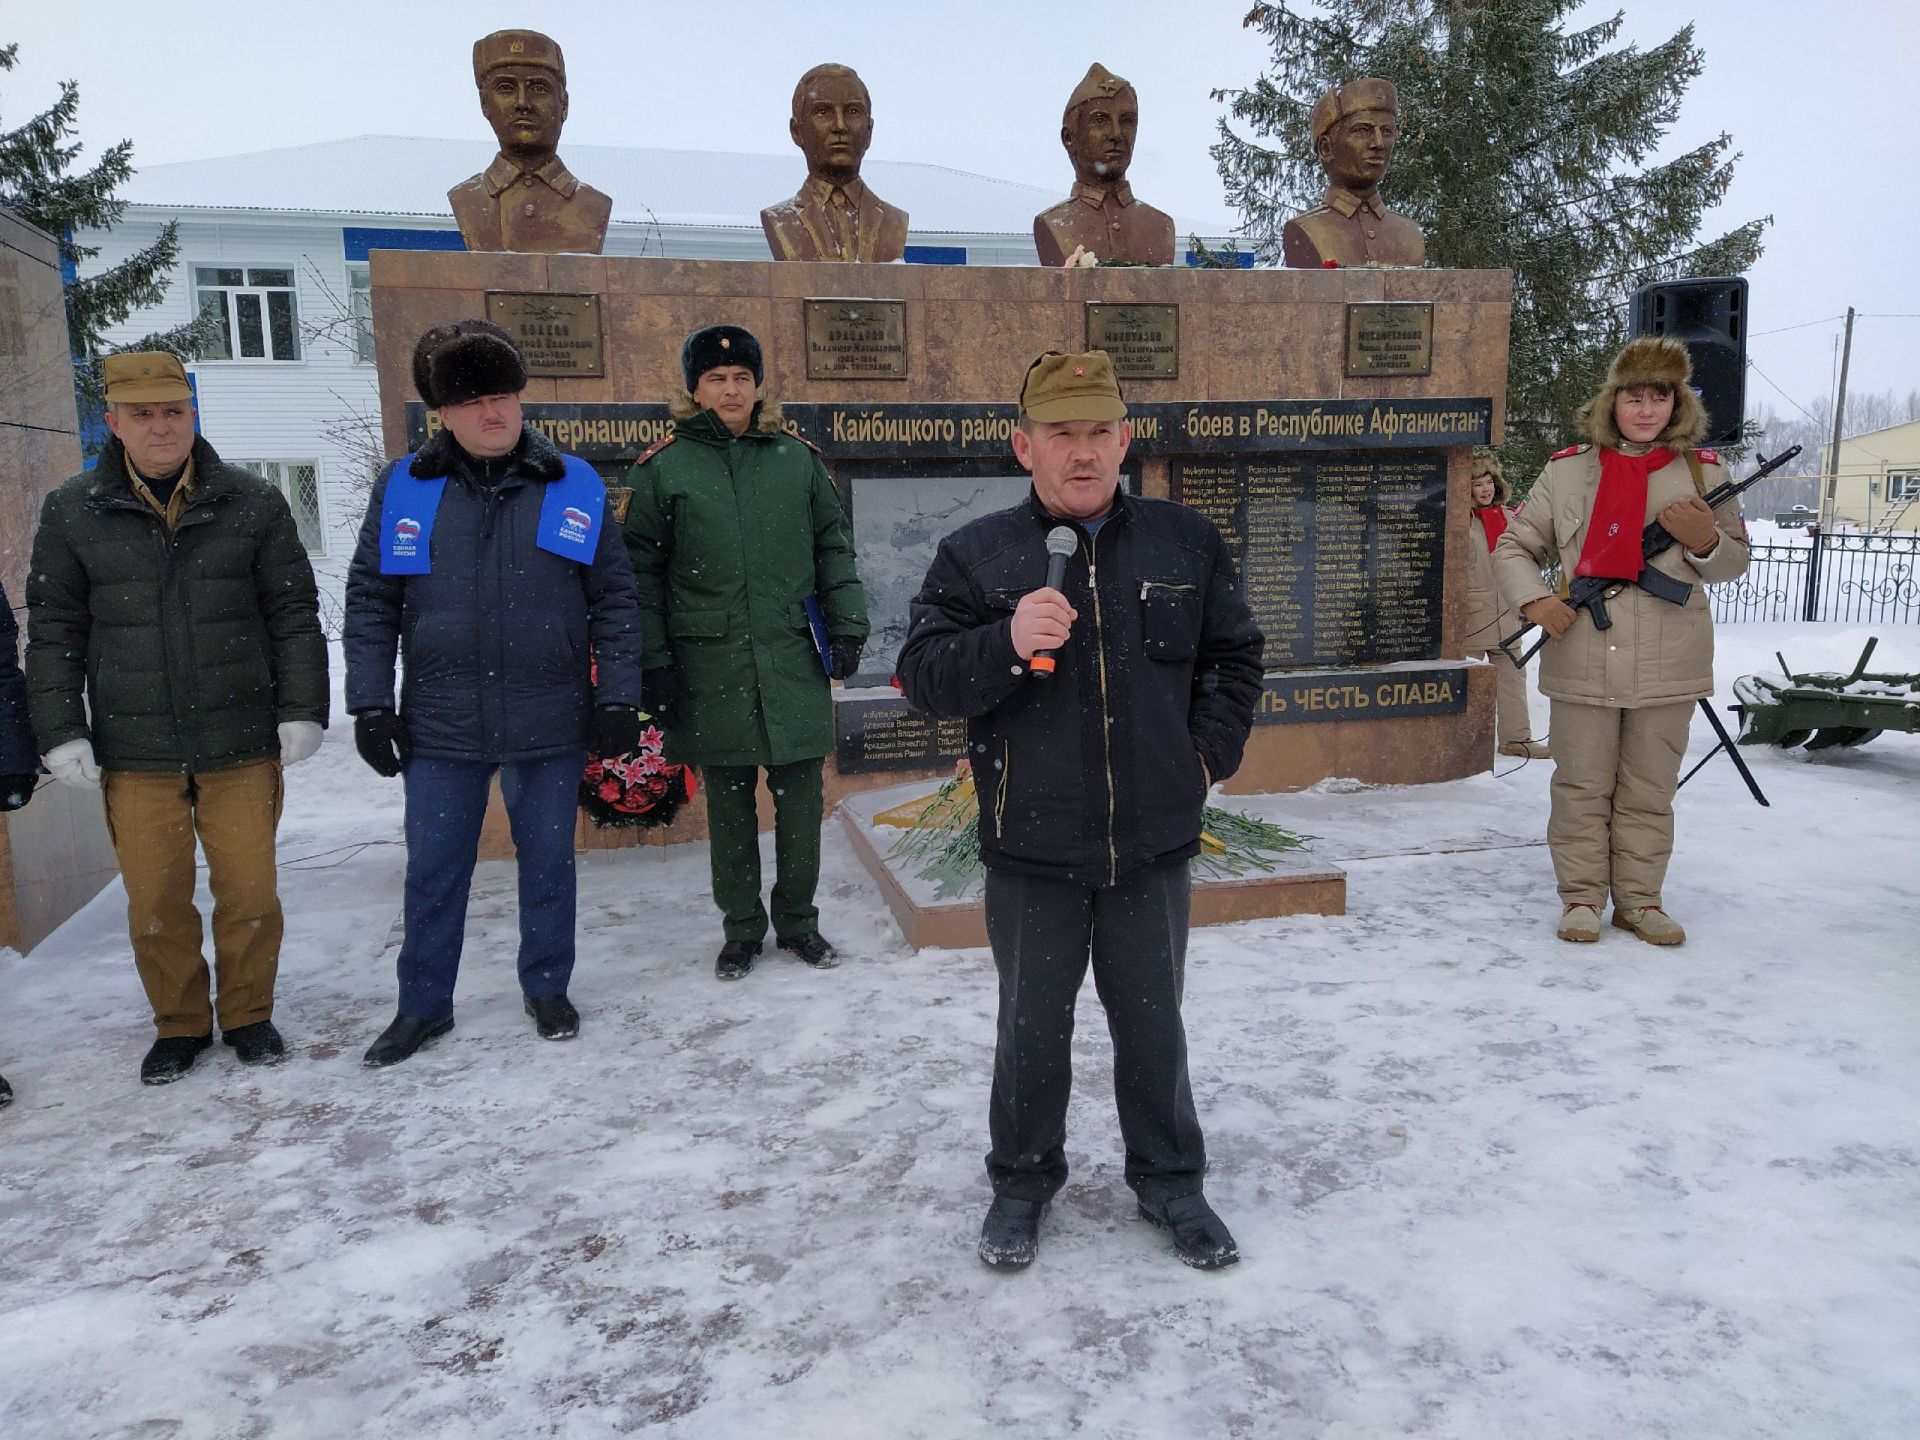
column 835, row 216
column 1101, row 216
column 1354, row 130
column 526, row 199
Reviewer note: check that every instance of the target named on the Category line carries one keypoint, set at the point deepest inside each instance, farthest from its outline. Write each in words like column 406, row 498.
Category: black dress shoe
column 1200, row 1237
column 256, row 1044
column 813, row 948
column 6, row 1091
column 1010, row 1238
column 171, row 1057
column 554, row 1017
column 405, row 1035
column 735, row 959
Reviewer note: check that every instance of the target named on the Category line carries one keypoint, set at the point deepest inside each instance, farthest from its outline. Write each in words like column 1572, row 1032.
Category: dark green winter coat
column 191, row 646
column 728, row 534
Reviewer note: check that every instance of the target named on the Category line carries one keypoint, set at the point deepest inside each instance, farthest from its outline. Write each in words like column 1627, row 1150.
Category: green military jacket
column 728, row 534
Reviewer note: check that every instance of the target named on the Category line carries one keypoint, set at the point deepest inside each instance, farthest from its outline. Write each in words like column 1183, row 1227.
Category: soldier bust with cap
column 836, row 215
column 1091, row 776
column 175, row 663
column 1101, row 216
column 1354, row 130
column 526, row 200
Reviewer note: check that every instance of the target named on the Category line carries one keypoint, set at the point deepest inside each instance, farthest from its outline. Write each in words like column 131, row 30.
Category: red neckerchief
column 1493, row 519
column 1612, row 547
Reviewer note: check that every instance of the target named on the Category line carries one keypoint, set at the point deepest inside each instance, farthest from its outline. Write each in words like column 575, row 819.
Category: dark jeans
column 733, row 826
column 1043, row 932
column 446, row 801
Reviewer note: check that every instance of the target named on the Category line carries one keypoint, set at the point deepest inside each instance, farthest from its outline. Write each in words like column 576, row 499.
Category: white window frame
column 263, row 296
column 360, row 310
column 1902, row 485
column 278, row 473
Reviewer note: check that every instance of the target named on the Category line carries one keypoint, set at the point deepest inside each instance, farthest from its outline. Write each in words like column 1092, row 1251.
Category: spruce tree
column 35, row 183
column 1523, row 145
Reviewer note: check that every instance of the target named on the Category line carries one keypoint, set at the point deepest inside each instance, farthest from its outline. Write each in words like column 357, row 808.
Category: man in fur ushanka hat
column 1623, row 698
column 750, row 601
column 492, row 561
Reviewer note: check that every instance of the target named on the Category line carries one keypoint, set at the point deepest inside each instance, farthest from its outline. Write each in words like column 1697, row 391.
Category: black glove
column 614, row 730
column 660, row 693
column 846, row 655
column 381, row 739
column 15, row 790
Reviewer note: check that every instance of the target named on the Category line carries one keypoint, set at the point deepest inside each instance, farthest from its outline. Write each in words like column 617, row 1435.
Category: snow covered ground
column 1486, row 1184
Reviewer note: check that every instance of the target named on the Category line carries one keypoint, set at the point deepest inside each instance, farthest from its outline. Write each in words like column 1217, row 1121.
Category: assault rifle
column 1590, row 592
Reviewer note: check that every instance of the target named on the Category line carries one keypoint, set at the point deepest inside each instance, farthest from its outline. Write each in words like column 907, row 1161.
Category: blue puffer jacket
column 495, row 639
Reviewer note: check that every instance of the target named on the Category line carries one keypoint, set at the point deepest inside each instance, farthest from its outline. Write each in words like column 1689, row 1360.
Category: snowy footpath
column 1486, row 1184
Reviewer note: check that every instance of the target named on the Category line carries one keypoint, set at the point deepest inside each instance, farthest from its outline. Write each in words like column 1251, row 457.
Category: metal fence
column 1845, row 576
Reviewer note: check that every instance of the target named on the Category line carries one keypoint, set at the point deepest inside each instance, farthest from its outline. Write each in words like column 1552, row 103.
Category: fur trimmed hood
column 1485, row 462
column 1655, row 360
column 767, row 414
column 535, row 457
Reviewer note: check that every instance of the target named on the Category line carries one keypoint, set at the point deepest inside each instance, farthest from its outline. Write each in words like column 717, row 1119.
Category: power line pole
column 1832, row 466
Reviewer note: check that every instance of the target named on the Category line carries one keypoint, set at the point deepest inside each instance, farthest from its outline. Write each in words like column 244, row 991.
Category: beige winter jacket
column 1656, row 653
column 1489, row 618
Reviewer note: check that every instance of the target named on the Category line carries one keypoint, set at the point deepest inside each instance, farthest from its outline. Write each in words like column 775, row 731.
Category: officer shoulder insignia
column 1569, row 452
column 657, row 446
column 619, row 500
column 796, row 435
column 1708, row 457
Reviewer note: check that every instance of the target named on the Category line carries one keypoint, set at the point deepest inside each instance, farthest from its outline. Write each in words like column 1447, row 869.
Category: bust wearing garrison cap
column 1354, row 130
column 526, row 200
column 1101, row 216
column 835, row 216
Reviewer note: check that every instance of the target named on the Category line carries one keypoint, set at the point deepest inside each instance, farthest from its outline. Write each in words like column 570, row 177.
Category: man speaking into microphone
column 1091, row 781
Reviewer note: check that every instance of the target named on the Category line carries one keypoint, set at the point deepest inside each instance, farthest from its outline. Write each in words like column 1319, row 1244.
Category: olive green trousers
column 734, row 825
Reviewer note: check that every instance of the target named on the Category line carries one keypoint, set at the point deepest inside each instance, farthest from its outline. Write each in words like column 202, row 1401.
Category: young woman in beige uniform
column 1489, row 617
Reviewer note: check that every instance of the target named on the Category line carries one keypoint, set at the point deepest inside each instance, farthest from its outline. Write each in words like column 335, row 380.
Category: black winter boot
column 6, row 1092
column 404, row 1036
column 171, row 1057
column 735, row 960
column 1200, row 1238
column 813, row 948
column 256, row 1044
column 1010, row 1238
column 554, row 1017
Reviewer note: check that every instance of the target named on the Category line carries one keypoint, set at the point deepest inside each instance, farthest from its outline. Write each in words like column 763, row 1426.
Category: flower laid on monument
column 942, row 833
column 640, row 789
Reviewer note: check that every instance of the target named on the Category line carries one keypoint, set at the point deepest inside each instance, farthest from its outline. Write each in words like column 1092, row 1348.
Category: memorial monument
column 1101, row 216
column 835, row 216
column 526, row 199
column 1354, row 130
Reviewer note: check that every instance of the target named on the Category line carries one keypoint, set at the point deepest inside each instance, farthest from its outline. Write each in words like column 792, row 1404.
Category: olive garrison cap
column 516, row 47
column 139, row 376
column 1071, row 387
column 1350, row 99
column 1100, row 83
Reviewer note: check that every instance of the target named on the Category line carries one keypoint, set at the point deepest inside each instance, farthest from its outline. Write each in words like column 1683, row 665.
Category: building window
column 360, row 309
column 1903, row 486
column 256, row 309
column 299, row 481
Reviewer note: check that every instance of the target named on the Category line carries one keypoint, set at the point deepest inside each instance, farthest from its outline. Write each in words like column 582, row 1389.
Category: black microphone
column 1062, row 541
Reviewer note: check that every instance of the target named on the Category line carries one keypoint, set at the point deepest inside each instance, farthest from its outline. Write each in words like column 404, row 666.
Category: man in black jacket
column 175, row 663
column 1091, row 776
column 491, row 561
column 19, row 764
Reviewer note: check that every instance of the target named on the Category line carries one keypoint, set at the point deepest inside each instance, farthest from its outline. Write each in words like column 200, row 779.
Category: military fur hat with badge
column 1663, row 363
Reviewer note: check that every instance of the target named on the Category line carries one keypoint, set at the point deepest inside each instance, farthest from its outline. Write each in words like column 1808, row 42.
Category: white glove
column 73, row 763
column 298, row 740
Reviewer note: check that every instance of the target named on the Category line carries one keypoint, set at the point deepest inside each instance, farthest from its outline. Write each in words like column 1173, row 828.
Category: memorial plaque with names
column 558, row 335
column 1143, row 341
column 870, row 735
column 856, row 339
column 1340, row 556
column 1390, row 338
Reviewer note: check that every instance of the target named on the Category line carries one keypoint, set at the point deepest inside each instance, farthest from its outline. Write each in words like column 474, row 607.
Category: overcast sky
column 979, row 86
